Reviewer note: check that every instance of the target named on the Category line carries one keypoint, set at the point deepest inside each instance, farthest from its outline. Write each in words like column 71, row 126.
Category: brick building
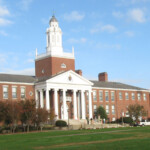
column 57, row 85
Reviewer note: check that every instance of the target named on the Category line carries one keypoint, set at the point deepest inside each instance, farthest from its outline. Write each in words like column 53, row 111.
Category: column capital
column 55, row 89
column 74, row 90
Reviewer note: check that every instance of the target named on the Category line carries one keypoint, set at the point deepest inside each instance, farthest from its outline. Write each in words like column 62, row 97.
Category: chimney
column 79, row 72
column 103, row 76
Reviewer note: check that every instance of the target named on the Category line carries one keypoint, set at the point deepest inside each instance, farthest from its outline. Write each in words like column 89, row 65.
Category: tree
column 40, row 117
column 136, row 111
column 27, row 111
column 101, row 112
column 11, row 114
column 52, row 116
column 2, row 111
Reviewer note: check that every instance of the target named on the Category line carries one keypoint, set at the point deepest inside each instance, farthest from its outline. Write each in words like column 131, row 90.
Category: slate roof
column 17, row 78
column 116, row 85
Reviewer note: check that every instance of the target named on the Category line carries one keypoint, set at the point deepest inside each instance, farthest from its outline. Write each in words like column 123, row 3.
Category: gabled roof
column 17, row 78
column 115, row 85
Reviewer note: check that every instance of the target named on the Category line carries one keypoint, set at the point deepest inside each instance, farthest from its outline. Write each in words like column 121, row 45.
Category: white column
column 41, row 99
column 83, row 104
column 64, row 105
column 56, row 102
column 75, row 103
column 47, row 100
column 90, row 105
column 36, row 98
column 79, row 107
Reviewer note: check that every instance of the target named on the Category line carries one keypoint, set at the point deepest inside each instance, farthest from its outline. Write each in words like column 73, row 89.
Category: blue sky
column 110, row 36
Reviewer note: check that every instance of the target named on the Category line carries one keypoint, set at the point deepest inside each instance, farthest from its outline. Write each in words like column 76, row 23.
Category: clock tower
column 55, row 60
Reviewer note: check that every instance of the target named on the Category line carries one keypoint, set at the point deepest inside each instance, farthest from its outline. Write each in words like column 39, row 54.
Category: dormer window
column 63, row 65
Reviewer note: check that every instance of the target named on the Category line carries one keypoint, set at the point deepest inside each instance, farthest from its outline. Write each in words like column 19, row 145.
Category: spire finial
column 53, row 12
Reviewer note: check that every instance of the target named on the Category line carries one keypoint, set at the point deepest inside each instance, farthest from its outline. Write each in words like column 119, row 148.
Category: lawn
column 135, row 138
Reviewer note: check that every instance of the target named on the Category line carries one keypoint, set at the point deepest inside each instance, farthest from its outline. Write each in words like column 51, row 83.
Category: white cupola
column 54, row 37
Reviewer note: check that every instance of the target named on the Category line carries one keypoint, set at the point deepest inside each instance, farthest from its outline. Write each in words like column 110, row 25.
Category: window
column 127, row 114
column 133, row 96
column 106, row 96
column 23, row 92
column 144, row 97
column 101, row 95
column 127, row 96
column 14, row 92
column 95, row 108
column 139, row 96
column 113, row 109
column 94, row 96
column 120, row 95
column 5, row 92
column 63, row 65
column 107, row 109
column 112, row 96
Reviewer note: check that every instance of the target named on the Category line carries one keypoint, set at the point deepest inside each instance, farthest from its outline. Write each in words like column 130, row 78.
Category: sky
column 108, row 36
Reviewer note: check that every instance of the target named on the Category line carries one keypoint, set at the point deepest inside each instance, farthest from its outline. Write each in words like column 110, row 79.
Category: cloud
column 30, row 61
column 5, row 22
column 117, row 14
column 136, row 15
column 25, row 4
column 3, row 33
column 4, row 11
column 129, row 33
column 104, row 28
column 81, row 40
column 104, row 46
column 130, row 2
column 109, row 28
column 28, row 71
column 74, row 16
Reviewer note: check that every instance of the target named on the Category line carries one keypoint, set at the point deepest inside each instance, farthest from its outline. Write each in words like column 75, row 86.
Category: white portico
column 67, row 93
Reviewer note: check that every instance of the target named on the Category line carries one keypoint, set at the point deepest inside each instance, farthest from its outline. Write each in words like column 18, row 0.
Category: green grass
column 136, row 138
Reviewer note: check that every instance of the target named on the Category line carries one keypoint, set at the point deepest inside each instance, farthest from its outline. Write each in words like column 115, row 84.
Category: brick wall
column 120, row 105
column 52, row 65
column 28, row 90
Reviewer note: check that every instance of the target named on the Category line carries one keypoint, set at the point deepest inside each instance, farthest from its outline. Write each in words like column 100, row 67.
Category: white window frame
column 126, row 95
column 94, row 95
column 107, row 109
column 113, row 109
column 22, row 87
column 120, row 95
column 14, row 87
column 5, row 86
column 139, row 96
column 101, row 96
column 144, row 97
column 112, row 96
column 107, row 97
column 133, row 96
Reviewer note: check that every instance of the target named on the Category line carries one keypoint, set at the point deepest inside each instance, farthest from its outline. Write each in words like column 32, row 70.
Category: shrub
column 128, row 120
column 61, row 123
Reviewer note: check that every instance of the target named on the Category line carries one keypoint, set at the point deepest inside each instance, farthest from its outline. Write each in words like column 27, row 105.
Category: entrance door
column 62, row 111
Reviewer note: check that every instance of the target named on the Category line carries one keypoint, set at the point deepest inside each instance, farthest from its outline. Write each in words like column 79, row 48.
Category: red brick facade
column 53, row 65
column 120, row 105
column 29, row 91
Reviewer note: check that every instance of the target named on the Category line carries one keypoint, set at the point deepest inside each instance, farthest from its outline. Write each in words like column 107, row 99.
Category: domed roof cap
column 53, row 19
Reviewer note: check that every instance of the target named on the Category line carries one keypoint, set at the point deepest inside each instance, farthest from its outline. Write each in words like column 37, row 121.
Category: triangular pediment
column 69, row 77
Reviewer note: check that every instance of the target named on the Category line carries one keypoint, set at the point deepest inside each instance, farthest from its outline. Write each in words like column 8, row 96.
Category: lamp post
column 68, row 118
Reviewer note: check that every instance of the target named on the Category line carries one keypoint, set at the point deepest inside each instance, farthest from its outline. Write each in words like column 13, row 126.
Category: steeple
column 54, row 37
